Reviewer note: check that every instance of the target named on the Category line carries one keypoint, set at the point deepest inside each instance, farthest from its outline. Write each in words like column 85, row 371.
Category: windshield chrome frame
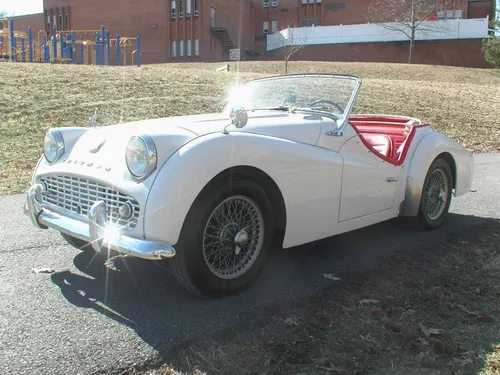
column 339, row 119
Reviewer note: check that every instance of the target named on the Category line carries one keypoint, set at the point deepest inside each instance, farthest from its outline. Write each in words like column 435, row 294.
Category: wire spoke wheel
column 436, row 194
column 233, row 237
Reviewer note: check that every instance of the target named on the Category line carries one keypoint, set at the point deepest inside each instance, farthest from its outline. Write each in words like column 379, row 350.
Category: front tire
column 225, row 238
column 436, row 196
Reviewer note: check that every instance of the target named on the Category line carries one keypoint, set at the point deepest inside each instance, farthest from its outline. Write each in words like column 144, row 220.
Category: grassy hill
column 461, row 102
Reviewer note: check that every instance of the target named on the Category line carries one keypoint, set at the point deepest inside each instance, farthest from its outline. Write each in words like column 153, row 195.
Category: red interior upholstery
column 389, row 137
column 380, row 142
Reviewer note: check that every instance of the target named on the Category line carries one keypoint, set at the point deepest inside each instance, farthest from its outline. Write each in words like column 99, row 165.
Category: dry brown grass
column 461, row 102
column 450, row 286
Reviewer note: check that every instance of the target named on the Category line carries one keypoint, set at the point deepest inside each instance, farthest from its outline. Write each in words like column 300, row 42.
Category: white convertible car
column 207, row 193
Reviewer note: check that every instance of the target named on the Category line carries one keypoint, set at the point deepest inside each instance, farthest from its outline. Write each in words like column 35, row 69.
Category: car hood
column 296, row 127
column 173, row 132
column 101, row 150
column 105, row 146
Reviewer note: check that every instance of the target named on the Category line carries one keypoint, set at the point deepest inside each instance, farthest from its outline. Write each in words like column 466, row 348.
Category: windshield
column 327, row 93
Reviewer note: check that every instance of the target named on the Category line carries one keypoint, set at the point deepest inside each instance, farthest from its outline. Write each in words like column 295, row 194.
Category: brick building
column 204, row 30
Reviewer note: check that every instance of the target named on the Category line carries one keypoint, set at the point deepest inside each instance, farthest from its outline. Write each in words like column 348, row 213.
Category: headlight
column 53, row 145
column 141, row 156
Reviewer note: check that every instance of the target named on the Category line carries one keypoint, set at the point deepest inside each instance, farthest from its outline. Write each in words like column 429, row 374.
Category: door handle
column 335, row 133
column 391, row 179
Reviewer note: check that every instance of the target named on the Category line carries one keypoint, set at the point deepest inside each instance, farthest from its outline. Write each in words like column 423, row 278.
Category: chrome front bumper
column 95, row 230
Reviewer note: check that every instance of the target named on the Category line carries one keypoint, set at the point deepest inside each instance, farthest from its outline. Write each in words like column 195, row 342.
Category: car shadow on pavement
column 144, row 296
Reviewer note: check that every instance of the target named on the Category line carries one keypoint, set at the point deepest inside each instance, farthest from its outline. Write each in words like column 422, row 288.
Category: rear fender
column 432, row 145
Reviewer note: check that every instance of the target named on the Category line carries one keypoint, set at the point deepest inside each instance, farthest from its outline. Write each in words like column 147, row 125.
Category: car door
column 369, row 183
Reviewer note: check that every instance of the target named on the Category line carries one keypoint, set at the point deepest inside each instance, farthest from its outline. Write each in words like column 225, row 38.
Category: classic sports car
column 207, row 193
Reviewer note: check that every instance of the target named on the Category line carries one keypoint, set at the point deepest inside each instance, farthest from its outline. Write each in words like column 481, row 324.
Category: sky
column 20, row 7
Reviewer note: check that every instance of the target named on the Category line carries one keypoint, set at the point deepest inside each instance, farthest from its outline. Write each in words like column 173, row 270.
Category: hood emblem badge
column 98, row 147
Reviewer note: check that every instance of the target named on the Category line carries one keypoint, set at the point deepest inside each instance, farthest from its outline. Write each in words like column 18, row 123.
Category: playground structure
column 68, row 47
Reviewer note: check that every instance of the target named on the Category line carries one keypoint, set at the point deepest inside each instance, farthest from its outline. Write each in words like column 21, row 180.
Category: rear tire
column 436, row 196
column 225, row 238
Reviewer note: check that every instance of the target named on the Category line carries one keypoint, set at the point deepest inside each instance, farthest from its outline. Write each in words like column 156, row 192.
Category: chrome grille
column 77, row 195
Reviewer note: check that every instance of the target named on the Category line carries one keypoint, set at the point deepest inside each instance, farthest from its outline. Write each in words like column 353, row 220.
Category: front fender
column 308, row 177
column 428, row 149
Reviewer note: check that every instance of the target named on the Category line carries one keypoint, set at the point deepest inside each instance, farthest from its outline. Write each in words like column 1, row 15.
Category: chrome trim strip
column 43, row 218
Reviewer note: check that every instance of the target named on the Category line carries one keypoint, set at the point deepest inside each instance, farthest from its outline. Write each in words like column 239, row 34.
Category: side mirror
column 239, row 116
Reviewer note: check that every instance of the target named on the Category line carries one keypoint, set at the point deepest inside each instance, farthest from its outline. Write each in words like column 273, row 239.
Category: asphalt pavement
column 84, row 318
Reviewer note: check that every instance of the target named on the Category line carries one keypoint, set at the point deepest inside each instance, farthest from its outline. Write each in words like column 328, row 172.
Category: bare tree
column 291, row 41
column 410, row 16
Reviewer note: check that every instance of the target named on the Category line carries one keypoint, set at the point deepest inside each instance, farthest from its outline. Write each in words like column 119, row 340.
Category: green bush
column 491, row 51
column 491, row 46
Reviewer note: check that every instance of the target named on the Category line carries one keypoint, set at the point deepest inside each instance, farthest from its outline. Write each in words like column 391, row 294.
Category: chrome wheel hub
column 240, row 241
column 436, row 194
column 233, row 237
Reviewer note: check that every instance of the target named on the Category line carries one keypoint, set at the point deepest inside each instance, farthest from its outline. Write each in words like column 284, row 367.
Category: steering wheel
column 327, row 102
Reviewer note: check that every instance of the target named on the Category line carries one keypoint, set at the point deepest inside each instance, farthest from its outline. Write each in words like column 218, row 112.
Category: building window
column 311, row 21
column 266, row 3
column 318, row 21
column 54, row 21
column 274, row 26
column 196, row 7
column 274, row 3
column 449, row 14
column 265, row 27
column 303, row 21
column 188, row 48
column 60, row 22
column 66, row 23
column 188, row 8
column 212, row 16
column 174, row 48
column 197, row 47
column 181, row 8
column 173, row 9
column 48, row 24
column 181, row 48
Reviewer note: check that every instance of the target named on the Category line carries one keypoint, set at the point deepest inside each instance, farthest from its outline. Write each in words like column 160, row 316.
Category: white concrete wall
column 428, row 30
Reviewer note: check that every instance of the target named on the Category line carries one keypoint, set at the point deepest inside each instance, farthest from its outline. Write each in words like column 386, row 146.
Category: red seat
column 380, row 142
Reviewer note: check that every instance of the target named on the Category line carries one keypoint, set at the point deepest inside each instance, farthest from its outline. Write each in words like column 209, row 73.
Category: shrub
column 491, row 46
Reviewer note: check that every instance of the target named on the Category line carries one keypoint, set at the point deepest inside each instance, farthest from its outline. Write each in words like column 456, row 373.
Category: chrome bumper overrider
column 97, row 231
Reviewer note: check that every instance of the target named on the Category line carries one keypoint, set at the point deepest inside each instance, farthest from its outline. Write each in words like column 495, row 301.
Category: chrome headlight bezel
column 56, row 137
column 147, row 149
